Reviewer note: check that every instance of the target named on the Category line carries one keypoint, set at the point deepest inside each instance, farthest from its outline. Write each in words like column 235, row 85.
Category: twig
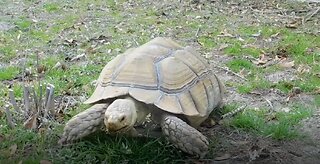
column 35, row 99
column 232, row 113
column 46, row 96
column 311, row 15
column 58, row 107
column 13, row 101
column 40, row 98
column 78, row 57
column 228, row 70
column 197, row 32
column 9, row 117
column 269, row 103
column 67, row 105
column 49, row 99
column 26, row 95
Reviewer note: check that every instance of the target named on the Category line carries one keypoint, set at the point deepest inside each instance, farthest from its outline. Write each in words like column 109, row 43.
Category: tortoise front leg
column 84, row 123
column 184, row 136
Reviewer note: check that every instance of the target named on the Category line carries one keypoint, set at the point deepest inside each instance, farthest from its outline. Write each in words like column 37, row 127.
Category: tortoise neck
column 141, row 109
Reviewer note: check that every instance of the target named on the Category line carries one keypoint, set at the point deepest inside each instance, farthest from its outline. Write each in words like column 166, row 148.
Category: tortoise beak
column 111, row 127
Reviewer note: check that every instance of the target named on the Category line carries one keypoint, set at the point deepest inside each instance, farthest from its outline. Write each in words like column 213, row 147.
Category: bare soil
column 238, row 147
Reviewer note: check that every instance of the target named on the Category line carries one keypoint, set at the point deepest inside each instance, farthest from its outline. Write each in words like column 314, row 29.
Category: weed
column 238, row 64
column 23, row 23
column 8, row 73
column 206, row 42
column 51, row 7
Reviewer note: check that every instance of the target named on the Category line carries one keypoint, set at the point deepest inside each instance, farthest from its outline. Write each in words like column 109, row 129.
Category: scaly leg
column 84, row 123
column 184, row 136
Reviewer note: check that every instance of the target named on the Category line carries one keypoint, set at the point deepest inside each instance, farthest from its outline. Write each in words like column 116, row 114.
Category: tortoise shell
column 175, row 79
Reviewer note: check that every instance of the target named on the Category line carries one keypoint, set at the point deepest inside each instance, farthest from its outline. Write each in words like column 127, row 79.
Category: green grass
column 51, row 7
column 238, row 64
column 279, row 125
column 8, row 73
column 23, row 23
column 96, row 148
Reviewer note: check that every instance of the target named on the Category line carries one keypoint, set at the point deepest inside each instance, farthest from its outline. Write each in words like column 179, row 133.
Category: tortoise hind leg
column 184, row 136
column 84, row 123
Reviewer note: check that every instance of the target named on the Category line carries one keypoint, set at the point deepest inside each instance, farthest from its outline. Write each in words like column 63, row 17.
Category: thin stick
column 35, row 99
column 312, row 14
column 26, row 95
column 46, row 96
column 51, row 98
column 13, row 101
column 40, row 98
column 269, row 103
column 46, row 101
column 67, row 105
column 228, row 70
column 78, row 57
column 9, row 117
column 49, row 104
column 197, row 32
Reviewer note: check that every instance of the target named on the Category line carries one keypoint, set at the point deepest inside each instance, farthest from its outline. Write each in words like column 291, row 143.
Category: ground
column 266, row 52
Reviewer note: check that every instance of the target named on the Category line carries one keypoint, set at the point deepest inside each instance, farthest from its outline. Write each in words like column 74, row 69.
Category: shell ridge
column 207, row 94
column 194, row 102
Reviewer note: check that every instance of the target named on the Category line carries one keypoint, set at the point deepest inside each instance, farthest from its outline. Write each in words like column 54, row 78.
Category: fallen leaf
column 275, row 35
column 317, row 90
column 45, row 162
column 42, row 131
column 240, row 39
column 281, row 53
column 256, row 34
column 78, row 57
column 293, row 24
column 70, row 42
column 61, row 65
column 303, row 69
column 104, row 39
column 225, row 33
column 31, row 123
column 41, row 68
column 223, row 46
column 13, row 149
column 263, row 59
column 223, row 157
column 286, row 64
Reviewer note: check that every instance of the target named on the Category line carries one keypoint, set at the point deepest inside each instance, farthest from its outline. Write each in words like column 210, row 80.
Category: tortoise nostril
column 122, row 118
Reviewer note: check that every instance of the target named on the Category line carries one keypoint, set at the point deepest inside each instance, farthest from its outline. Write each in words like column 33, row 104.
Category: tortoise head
column 120, row 116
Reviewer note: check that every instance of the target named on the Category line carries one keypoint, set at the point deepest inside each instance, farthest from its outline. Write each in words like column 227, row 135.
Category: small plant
column 8, row 73
column 239, row 64
column 36, row 106
column 51, row 7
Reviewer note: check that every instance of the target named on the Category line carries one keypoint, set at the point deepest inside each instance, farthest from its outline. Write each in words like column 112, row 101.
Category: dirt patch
column 241, row 147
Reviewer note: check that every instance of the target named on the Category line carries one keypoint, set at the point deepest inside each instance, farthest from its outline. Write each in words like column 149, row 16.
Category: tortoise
column 172, row 83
